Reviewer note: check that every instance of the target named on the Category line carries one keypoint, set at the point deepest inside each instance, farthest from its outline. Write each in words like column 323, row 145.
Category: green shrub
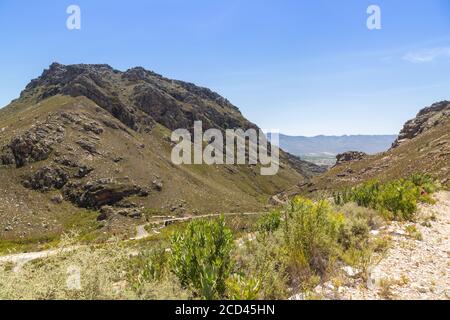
column 311, row 234
column 242, row 288
column 424, row 181
column 371, row 216
column 366, row 195
column 201, row 257
column 399, row 198
column 263, row 261
column 302, row 250
column 395, row 200
column 148, row 265
column 269, row 222
column 354, row 233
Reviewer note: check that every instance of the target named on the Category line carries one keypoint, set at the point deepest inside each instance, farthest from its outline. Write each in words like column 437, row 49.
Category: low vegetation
column 201, row 257
column 287, row 251
column 85, row 273
column 397, row 199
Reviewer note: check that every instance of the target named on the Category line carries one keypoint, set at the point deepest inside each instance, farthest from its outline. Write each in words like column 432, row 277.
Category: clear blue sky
column 304, row 67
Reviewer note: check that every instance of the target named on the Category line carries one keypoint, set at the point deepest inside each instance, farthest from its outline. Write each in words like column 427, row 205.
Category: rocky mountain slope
column 423, row 145
column 87, row 142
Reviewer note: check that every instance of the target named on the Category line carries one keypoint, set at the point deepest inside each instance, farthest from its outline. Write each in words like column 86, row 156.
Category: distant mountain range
column 322, row 150
column 333, row 145
column 423, row 146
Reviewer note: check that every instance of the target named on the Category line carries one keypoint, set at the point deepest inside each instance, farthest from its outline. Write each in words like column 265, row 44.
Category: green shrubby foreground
column 293, row 250
column 285, row 252
column 307, row 248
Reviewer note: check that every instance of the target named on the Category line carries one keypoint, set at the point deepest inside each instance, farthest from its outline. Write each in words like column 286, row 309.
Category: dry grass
column 103, row 274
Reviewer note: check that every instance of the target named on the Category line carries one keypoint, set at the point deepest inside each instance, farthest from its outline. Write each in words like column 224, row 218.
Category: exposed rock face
column 80, row 170
column 175, row 104
column 99, row 193
column 34, row 145
column 88, row 146
column 93, row 127
column 46, row 179
column 349, row 157
column 426, row 119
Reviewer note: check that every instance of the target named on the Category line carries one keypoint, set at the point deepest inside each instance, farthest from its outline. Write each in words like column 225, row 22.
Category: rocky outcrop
column 175, row 104
column 425, row 120
column 46, row 179
column 100, row 193
column 349, row 157
column 34, row 145
column 79, row 170
column 88, row 146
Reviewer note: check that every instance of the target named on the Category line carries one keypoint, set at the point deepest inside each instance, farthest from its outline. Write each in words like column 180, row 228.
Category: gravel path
column 20, row 259
column 417, row 266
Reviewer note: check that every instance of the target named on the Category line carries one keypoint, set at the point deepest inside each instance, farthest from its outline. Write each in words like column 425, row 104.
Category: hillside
column 423, row 145
column 86, row 142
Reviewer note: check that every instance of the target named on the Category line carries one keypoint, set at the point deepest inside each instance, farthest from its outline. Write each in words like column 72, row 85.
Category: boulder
column 157, row 185
column 83, row 171
column 106, row 212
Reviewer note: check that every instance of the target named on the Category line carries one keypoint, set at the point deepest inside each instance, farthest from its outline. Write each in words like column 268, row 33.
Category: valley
column 89, row 184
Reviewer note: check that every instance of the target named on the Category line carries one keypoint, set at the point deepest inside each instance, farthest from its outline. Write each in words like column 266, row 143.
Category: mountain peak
column 59, row 74
column 137, row 96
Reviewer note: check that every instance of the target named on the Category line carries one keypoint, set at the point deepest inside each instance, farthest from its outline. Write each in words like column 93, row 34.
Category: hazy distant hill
column 332, row 145
column 423, row 146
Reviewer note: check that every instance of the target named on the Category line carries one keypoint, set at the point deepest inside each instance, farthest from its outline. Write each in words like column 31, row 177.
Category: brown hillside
column 87, row 139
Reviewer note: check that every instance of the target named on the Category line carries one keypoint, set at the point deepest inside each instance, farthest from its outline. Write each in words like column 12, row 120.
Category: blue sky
column 304, row 67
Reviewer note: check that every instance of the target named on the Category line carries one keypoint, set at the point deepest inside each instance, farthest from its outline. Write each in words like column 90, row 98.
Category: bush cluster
column 397, row 199
column 295, row 249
